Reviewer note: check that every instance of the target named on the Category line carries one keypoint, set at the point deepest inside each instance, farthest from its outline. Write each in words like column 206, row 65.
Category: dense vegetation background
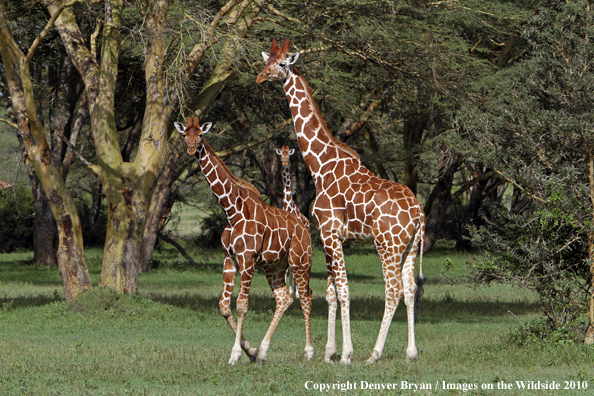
column 481, row 107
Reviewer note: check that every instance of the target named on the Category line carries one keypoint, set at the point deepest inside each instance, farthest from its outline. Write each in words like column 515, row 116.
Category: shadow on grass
column 29, row 301
column 367, row 308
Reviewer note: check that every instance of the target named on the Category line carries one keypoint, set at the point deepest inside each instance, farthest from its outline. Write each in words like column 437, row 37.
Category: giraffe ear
column 292, row 58
column 292, row 151
column 279, row 152
column 180, row 127
column 265, row 55
column 205, row 127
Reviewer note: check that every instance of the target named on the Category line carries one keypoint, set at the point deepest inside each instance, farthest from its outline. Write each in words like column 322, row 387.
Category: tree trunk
column 589, row 338
column 45, row 235
column 439, row 200
column 161, row 204
column 71, row 259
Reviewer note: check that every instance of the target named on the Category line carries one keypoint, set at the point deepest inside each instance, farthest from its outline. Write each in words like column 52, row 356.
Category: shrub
column 16, row 218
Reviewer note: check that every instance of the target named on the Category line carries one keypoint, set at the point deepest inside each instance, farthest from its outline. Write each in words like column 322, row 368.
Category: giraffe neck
column 288, row 194
column 316, row 142
column 221, row 181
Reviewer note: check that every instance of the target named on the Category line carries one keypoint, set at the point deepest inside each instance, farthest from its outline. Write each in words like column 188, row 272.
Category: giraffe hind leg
column 276, row 280
column 393, row 293
column 301, row 277
column 410, row 297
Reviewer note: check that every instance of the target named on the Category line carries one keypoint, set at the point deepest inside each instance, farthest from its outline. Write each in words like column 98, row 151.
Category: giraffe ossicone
column 353, row 204
column 256, row 234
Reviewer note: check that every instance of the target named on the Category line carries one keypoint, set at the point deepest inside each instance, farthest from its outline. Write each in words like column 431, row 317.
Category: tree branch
column 78, row 154
column 7, row 121
column 341, row 47
column 47, row 28
column 180, row 248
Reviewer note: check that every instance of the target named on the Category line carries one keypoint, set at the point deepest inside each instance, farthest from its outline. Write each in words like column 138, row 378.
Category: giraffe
column 4, row 185
column 289, row 205
column 352, row 204
column 256, row 234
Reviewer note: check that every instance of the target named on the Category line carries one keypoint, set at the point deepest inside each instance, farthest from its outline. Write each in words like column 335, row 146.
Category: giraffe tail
column 420, row 279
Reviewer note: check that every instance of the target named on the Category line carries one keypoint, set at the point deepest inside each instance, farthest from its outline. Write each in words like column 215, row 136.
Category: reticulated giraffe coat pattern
column 352, row 204
column 256, row 234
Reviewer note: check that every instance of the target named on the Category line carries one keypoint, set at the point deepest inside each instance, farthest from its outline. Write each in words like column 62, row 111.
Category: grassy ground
column 171, row 339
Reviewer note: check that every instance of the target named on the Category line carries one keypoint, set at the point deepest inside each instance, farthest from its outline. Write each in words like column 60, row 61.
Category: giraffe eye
column 282, row 64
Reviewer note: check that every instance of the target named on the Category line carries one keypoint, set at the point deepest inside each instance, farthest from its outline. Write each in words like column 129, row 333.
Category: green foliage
column 17, row 218
column 211, row 229
column 527, row 125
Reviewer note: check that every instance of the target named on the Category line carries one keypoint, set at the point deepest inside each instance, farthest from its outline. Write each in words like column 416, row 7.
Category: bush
column 212, row 227
column 16, row 218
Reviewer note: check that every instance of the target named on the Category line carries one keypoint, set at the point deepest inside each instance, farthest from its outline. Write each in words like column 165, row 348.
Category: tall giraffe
column 256, row 234
column 352, row 204
column 288, row 203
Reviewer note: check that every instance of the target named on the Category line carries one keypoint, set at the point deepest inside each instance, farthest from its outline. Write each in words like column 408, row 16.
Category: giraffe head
column 193, row 133
column 278, row 62
column 285, row 153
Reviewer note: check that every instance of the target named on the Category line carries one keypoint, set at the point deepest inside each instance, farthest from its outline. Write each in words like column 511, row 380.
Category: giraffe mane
column 325, row 128
column 234, row 179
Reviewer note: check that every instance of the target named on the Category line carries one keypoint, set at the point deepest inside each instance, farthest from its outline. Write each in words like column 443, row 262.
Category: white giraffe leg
column 333, row 248
column 391, row 260
column 410, row 288
column 332, row 306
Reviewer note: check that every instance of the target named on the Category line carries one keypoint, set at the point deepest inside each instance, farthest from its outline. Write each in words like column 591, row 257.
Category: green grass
column 170, row 339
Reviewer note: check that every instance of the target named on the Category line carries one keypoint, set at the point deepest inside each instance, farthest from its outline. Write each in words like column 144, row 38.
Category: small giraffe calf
column 256, row 234
column 288, row 203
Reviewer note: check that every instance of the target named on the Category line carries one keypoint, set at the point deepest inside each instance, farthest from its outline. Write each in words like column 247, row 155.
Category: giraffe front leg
column 229, row 273
column 333, row 248
column 247, row 272
column 332, row 307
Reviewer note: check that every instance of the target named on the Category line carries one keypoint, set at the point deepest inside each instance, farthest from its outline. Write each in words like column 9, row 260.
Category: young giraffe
column 256, row 234
column 352, row 204
column 288, row 203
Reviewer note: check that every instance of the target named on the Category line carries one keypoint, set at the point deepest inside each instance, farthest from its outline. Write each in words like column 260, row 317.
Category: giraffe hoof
column 261, row 361
column 411, row 355
column 308, row 355
column 374, row 357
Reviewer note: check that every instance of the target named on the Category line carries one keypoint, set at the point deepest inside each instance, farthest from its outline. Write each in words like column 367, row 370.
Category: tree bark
column 71, row 260
column 589, row 337
column 45, row 235
column 440, row 199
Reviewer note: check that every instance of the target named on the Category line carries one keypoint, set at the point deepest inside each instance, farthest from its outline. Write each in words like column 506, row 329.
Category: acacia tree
column 527, row 127
column 128, row 182
column 71, row 260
